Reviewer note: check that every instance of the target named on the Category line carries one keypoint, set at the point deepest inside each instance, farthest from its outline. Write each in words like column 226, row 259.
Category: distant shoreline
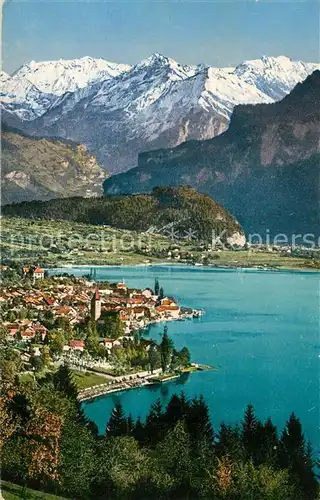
column 222, row 267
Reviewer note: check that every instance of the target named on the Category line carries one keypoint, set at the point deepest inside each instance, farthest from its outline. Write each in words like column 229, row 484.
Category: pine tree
column 229, row 442
column 292, row 444
column 249, row 432
column 153, row 357
column 198, row 421
column 174, row 456
column 156, row 286
column 117, row 425
column 267, row 443
column 130, row 425
column 154, row 427
column 166, row 349
column 119, row 327
column 92, row 345
column 139, row 431
column 63, row 382
column 161, row 293
column 184, row 357
column 177, row 409
column 308, row 478
column 77, row 460
column 296, row 456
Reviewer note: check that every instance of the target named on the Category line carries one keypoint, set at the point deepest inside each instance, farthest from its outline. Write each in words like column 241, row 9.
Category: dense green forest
column 47, row 443
column 185, row 208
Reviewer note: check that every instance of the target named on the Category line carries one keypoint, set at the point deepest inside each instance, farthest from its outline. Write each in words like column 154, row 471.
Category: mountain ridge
column 43, row 168
column 72, row 74
column 264, row 143
column 155, row 103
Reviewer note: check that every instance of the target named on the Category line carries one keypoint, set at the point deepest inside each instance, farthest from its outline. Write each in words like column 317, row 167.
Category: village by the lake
column 94, row 327
column 160, row 250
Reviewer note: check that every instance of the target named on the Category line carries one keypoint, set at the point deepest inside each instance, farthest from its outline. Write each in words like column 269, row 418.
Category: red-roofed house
column 168, row 301
column 34, row 272
column 38, row 328
column 50, row 301
column 121, row 286
column 38, row 273
column 140, row 312
column 12, row 328
column 28, row 334
column 169, row 311
column 77, row 345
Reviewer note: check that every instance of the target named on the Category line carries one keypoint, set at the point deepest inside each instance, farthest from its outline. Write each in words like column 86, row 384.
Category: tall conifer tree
column 156, row 287
column 250, row 426
column 296, row 455
column 117, row 425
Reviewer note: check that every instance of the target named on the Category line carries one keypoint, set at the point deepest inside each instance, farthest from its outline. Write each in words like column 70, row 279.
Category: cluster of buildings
column 136, row 308
column 75, row 300
column 26, row 330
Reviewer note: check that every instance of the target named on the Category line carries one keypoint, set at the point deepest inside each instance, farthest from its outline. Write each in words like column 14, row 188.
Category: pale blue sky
column 217, row 33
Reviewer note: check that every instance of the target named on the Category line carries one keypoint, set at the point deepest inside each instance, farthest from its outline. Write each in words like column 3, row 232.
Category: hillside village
column 50, row 320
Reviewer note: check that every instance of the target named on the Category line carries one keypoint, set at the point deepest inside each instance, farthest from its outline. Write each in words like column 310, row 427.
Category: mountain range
column 37, row 86
column 264, row 169
column 118, row 110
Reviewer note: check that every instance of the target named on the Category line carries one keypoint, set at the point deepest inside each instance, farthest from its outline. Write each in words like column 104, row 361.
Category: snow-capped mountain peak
column 59, row 77
column 274, row 76
column 155, row 58
column 174, row 70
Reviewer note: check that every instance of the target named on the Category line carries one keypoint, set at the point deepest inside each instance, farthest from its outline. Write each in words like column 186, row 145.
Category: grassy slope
column 86, row 379
column 80, row 244
column 55, row 243
column 82, row 379
column 11, row 491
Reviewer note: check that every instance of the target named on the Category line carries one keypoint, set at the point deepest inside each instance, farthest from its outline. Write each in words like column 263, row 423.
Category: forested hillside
column 48, row 443
column 181, row 210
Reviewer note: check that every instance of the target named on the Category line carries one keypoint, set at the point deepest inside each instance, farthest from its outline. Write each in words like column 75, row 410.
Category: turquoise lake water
column 260, row 329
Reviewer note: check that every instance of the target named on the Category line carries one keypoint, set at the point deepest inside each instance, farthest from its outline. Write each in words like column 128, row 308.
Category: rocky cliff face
column 34, row 168
column 264, row 168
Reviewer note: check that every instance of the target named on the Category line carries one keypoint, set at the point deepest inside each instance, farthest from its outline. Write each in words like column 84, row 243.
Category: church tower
column 95, row 306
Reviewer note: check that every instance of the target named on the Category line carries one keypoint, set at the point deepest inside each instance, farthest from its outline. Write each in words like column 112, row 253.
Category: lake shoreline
column 257, row 328
column 222, row 267
column 102, row 390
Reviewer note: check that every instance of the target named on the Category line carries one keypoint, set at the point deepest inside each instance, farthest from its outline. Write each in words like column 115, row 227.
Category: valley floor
column 63, row 243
